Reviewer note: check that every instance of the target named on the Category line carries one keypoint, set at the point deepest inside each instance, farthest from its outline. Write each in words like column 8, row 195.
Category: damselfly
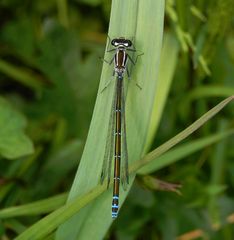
column 116, row 144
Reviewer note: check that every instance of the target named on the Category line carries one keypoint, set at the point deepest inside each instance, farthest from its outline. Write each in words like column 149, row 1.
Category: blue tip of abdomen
column 115, row 206
column 114, row 214
column 115, row 209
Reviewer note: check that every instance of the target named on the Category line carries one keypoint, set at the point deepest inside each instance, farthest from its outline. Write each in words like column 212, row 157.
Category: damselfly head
column 121, row 42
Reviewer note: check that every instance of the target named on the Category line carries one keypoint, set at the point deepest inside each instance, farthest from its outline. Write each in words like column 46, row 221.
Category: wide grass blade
column 141, row 21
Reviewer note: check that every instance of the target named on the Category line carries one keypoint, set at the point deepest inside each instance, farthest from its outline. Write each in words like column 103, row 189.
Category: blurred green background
column 49, row 76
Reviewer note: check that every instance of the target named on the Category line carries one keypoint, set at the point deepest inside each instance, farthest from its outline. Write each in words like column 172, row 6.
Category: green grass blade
column 183, row 151
column 141, row 21
column 205, row 92
column 48, row 224
column 181, row 136
column 166, row 73
column 22, row 75
column 216, row 186
column 36, row 208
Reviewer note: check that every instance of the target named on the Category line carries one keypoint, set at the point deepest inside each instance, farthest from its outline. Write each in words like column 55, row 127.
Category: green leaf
column 13, row 142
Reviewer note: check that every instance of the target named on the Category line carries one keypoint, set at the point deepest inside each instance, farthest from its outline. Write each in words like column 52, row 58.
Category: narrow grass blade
column 205, row 92
column 48, row 224
column 23, row 76
column 36, row 208
column 183, row 151
column 181, row 136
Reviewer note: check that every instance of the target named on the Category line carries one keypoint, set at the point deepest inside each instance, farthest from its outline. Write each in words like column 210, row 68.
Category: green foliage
column 54, row 119
column 13, row 142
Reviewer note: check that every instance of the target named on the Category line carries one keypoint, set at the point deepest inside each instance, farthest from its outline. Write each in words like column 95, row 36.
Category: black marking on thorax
column 121, row 58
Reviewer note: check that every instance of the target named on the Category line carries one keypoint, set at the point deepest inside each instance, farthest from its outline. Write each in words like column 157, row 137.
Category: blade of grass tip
column 48, row 224
column 141, row 21
column 181, row 136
